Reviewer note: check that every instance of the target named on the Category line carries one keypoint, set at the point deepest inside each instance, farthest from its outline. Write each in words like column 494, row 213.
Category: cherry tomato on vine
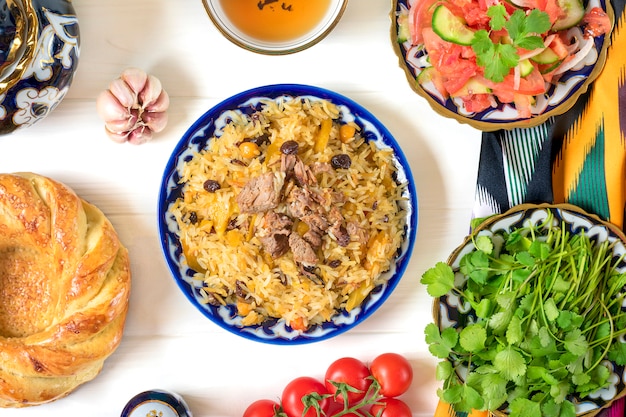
column 393, row 372
column 262, row 408
column 351, row 372
column 297, row 389
column 390, row 407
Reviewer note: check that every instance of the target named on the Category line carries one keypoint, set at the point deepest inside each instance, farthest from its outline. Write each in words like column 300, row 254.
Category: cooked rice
column 224, row 243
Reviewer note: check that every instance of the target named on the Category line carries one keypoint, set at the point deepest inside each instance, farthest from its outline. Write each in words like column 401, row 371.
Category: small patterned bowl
column 296, row 36
column 557, row 100
column 38, row 56
column 157, row 403
column 198, row 136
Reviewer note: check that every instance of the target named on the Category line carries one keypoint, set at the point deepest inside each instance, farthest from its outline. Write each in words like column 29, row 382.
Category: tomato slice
column 420, row 17
column 533, row 84
column 597, row 22
column 455, row 63
column 473, row 12
column 475, row 103
column 558, row 45
column 553, row 9
column 522, row 105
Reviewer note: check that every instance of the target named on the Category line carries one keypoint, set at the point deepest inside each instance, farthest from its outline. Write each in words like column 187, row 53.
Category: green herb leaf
column 470, row 399
column 575, row 342
column 559, row 391
column 524, row 407
column 440, row 344
column 617, row 353
column 510, row 363
column 484, row 244
column 531, row 43
column 443, row 370
column 551, row 310
column 516, row 25
column 438, row 279
column 537, row 22
column 484, row 308
column 497, row 16
column 473, row 337
column 514, row 333
column 499, row 58
column 494, row 391
column 499, row 61
column 525, row 258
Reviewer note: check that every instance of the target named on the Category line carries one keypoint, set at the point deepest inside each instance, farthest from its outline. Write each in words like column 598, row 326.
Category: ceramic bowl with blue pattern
column 560, row 96
column 450, row 310
column 276, row 331
column 39, row 50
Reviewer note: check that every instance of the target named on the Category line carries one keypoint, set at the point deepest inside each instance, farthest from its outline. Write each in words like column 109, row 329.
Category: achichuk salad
column 481, row 52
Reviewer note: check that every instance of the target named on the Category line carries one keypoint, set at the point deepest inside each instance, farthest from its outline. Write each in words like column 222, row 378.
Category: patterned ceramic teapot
column 39, row 49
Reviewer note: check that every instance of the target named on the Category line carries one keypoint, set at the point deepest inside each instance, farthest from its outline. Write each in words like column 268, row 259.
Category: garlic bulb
column 134, row 107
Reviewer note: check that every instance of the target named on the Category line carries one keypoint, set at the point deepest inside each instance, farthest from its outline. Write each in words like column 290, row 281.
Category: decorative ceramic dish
column 275, row 28
column 40, row 48
column 199, row 137
column 451, row 311
column 559, row 98
column 157, row 403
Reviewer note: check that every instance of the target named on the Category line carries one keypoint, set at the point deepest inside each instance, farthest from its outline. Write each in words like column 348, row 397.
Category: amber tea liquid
column 275, row 20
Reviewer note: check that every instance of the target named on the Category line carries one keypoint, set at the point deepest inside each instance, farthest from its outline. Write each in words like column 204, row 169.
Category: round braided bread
column 64, row 289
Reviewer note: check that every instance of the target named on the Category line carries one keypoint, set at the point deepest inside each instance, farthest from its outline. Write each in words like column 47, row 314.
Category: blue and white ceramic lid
column 155, row 403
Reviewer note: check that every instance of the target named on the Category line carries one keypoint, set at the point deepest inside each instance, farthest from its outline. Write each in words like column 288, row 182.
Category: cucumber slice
column 450, row 27
column 548, row 68
column 574, row 13
column 548, row 56
column 472, row 86
column 425, row 76
column 404, row 32
column 525, row 67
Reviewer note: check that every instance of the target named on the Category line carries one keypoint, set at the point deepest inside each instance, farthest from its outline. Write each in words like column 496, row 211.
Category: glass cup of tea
column 275, row 27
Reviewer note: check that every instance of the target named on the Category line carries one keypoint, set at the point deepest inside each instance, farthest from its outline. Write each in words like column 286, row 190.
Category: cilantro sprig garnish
column 547, row 317
column 524, row 31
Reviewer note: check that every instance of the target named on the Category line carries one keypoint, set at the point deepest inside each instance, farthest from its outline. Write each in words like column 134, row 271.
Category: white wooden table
column 167, row 343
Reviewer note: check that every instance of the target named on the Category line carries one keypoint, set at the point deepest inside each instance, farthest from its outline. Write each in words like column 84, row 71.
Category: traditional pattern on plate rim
column 197, row 137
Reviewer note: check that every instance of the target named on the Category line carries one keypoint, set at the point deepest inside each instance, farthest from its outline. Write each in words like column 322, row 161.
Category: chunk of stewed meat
column 314, row 237
column 274, row 233
column 302, row 251
column 260, row 194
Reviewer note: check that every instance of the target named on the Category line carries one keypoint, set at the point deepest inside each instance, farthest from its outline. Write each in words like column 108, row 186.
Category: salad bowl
column 451, row 311
column 200, row 136
column 561, row 91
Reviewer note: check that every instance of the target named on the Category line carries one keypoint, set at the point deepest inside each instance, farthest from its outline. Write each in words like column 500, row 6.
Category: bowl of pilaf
column 287, row 214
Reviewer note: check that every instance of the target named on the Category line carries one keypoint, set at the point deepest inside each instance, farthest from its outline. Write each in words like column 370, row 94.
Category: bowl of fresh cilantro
column 505, row 64
column 530, row 315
